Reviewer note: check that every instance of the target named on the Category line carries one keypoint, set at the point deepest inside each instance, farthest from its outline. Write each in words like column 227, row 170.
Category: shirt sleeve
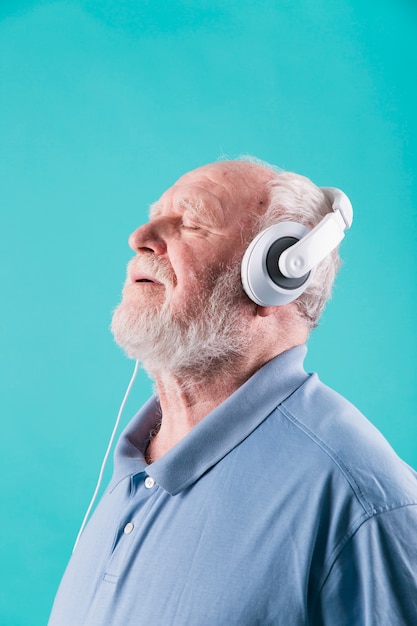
column 373, row 581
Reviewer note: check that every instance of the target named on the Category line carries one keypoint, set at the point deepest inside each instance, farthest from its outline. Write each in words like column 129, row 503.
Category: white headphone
column 279, row 263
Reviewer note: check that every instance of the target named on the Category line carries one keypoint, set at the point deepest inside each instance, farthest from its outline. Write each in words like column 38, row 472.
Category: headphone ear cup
column 262, row 279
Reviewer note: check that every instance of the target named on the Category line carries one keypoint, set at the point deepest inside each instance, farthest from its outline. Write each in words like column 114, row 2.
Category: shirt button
column 149, row 482
column 128, row 528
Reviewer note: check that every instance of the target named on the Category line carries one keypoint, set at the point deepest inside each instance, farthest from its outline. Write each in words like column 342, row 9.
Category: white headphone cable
column 106, row 456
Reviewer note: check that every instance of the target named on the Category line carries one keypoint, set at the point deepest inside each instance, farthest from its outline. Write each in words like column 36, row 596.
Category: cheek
column 193, row 283
column 196, row 269
column 190, row 264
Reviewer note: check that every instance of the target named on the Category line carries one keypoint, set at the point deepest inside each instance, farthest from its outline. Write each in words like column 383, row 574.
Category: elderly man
column 245, row 492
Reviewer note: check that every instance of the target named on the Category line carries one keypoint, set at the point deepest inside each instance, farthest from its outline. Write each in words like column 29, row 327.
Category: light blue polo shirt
column 283, row 506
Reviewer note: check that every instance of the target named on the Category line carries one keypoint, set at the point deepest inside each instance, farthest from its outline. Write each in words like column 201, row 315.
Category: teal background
column 103, row 104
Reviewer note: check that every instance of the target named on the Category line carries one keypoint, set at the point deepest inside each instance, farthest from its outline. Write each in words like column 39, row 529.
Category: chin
column 134, row 327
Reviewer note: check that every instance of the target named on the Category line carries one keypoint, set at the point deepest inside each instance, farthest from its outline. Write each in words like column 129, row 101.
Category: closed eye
column 190, row 227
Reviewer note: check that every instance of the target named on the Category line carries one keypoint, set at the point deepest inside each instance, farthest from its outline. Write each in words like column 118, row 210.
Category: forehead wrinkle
column 200, row 209
column 197, row 206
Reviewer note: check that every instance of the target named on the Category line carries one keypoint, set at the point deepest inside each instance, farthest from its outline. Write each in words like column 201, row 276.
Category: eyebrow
column 197, row 207
column 153, row 209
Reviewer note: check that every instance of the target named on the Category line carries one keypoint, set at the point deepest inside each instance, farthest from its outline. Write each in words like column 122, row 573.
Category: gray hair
column 295, row 198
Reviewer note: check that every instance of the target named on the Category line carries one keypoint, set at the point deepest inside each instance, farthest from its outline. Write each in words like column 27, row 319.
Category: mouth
column 139, row 277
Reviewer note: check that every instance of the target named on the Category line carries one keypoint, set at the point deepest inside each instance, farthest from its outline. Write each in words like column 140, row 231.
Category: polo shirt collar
column 214, row 436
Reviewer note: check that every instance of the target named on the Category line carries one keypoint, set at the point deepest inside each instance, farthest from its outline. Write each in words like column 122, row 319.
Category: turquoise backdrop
column 103, row 104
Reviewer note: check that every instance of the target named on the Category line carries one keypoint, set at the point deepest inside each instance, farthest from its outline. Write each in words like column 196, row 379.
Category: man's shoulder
column 338, row 437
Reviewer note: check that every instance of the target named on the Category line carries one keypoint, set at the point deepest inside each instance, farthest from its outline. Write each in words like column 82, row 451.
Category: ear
column 264, row 311
column 282, row 312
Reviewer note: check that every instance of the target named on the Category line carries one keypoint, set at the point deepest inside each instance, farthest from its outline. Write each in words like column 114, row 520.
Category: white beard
column 209, row 335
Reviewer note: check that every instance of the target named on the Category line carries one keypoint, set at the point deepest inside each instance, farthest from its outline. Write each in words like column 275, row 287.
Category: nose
column 148, row 237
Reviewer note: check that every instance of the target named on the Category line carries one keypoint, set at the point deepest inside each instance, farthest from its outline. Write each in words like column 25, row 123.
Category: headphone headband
column 340, row 202
column 303, row 256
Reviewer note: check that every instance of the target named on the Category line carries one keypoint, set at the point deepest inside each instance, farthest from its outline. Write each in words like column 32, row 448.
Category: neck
column 187, row 398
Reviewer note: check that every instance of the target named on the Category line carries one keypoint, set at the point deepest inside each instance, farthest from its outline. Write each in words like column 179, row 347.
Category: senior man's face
column 182, row 294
